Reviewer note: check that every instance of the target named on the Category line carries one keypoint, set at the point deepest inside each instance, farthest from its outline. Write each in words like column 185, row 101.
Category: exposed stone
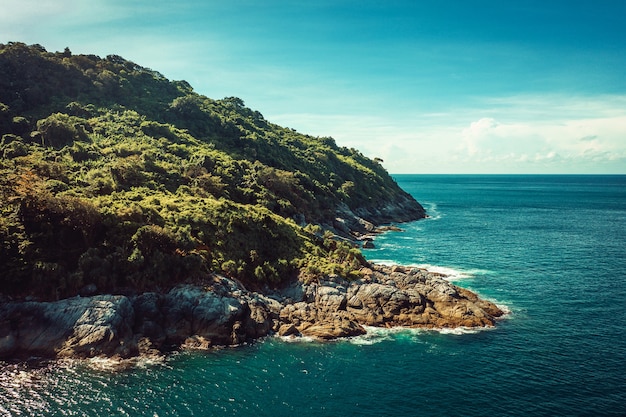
column 77, row 327
column 388, row 229
column 196, row 343
column 398, row 268
column 224, row 313
column 368, row 244
column 333, row 329
column 392, row 296
column 288, row 330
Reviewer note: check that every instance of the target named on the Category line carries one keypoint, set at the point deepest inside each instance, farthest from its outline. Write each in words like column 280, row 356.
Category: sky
column 446, row 86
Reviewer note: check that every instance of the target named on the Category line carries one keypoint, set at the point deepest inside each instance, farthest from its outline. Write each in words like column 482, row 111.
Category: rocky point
column 222, row 312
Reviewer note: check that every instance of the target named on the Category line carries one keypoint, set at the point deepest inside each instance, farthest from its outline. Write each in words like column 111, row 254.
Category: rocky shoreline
column 221, row 312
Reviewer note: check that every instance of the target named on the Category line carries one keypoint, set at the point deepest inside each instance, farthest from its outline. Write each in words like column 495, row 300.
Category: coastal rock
column 364, row 221
column 288, row 330
column 76, row 327
column 192, row 311
column 402, row 208
column 149, row 317
column 105, row 325
column 104, row 328
column 261, row 318
column 339, row 326
column 390, row 296
column 368, row 244
column 8, row 340
column 222, row 312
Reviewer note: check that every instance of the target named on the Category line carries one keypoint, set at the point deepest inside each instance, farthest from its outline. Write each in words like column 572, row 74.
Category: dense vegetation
column 112, row 175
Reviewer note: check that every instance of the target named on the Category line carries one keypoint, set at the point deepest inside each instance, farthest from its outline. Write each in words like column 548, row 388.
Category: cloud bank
column 515, row 135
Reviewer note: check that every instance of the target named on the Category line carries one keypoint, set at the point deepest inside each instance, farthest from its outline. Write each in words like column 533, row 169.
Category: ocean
column 551, row 250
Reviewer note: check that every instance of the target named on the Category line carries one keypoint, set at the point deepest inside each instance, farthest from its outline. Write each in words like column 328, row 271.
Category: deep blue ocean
column 549, row 249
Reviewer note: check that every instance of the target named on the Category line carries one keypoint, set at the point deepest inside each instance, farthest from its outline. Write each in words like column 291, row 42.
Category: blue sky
column 482, row 86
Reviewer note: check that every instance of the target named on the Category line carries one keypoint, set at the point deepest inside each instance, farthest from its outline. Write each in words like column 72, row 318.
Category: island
column 139, row 217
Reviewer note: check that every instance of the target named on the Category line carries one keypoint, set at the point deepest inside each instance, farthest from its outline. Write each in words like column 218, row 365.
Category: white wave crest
column 385, row 262
column 431, row 210
column 462, row 330
column 374, row 335
column 297, row 339
column 507, row 311
column 114, row 364
column 451, row 274
column 380, row 334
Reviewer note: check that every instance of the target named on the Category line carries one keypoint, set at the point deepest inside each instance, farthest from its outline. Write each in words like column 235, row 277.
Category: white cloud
column 529, row 135
column 482, row 130
column 558, row 145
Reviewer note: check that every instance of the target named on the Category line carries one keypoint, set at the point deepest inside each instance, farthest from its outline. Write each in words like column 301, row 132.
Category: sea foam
column 450, row 274
column 431, row 209
column 381, row 334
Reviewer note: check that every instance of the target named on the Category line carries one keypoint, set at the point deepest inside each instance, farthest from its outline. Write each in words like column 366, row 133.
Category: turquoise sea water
column 551, row 249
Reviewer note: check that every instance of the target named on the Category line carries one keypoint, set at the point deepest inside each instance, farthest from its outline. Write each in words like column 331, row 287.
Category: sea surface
column 549, row 249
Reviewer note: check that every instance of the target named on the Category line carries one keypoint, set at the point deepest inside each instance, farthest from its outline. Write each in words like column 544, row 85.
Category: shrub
column 59, row 130
column 132, row 180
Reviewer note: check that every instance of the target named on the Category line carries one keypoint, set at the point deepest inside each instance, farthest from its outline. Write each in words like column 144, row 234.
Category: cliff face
column 113, row 176
column 222, row 312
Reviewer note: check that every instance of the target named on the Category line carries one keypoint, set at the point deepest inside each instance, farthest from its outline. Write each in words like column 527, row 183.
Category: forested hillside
column 112, row 175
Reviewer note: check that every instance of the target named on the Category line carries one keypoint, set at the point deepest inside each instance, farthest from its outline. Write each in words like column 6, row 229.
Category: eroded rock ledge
column 222, row 312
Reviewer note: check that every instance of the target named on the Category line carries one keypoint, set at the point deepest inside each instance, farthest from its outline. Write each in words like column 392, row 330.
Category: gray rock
column 193, row 311
column 391, row 296
column 288, row 330
column 333, row 328
column 77, row 327
column 225, row 313
column 368, row 244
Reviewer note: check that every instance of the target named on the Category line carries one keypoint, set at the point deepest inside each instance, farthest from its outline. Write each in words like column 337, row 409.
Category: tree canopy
column 112, row 175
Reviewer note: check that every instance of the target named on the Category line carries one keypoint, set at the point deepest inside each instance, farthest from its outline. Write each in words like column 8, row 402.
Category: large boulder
column 193, row 311
column 222, row 314
column 385, row 297
column 333, row 328
column 75, row 327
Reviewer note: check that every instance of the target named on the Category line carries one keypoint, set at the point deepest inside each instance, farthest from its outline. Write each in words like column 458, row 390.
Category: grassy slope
column 112, row 175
